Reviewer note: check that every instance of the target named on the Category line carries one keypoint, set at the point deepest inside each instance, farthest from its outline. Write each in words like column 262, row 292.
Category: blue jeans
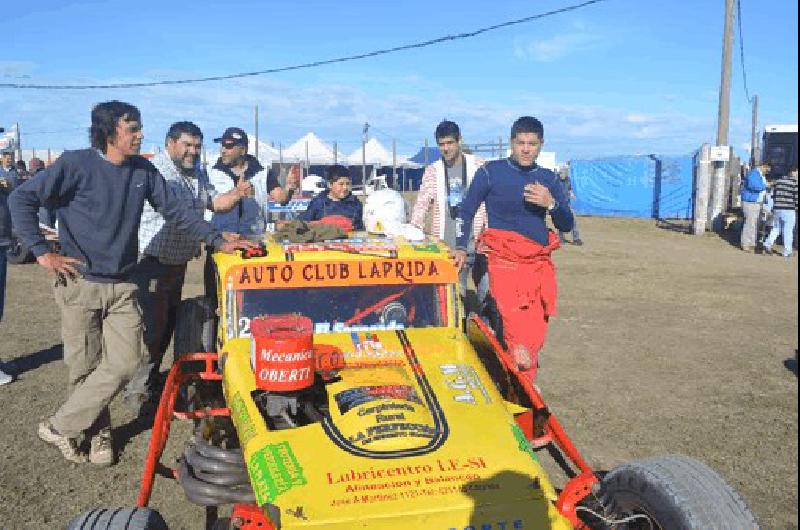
column 782, row 223
column 3, row 266
column 575, row 235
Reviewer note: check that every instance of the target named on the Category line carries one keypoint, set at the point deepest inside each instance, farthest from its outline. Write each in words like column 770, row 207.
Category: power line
column 314, row 64
column 741, row 49
column 71, row 129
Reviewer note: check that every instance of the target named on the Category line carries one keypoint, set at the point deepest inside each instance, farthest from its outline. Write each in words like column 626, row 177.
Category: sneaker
column 5, row 378
column 101, row 452
column 578, row 242
column 67, row 446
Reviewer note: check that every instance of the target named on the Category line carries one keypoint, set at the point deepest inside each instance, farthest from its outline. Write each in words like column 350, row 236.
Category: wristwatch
column 552, row 206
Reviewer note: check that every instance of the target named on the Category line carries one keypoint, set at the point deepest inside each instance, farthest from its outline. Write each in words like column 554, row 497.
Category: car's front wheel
column 671, row 492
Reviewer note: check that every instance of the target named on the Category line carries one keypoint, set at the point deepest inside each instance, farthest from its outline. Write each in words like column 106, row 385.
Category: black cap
column 235, row 135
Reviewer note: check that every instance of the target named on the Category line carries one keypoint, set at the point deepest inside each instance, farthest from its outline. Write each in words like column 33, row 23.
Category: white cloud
column 337, row 111
column 16, row 69
column 554, row 48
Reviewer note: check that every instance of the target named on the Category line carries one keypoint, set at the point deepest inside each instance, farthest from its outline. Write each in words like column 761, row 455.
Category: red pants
column 522, row 282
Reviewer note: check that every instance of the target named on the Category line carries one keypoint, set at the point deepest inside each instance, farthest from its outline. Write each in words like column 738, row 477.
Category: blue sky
column 619, row 77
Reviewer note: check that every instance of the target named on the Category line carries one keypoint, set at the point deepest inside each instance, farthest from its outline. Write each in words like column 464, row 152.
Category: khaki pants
column 101, row 326
column 751, row 211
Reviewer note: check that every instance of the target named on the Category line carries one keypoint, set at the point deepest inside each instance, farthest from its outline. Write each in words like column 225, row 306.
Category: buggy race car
column 336, row 385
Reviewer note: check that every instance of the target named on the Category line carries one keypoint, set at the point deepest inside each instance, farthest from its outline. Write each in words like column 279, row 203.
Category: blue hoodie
column 752, row 186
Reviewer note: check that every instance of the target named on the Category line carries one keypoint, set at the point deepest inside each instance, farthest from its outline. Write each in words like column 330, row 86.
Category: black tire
column 195, row 326
column 222, row 524
column 18, row 252
column 677, row 493
column 119, row 519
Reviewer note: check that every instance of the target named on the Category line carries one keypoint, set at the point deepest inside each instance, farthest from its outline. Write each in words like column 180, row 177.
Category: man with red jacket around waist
column 518, row 195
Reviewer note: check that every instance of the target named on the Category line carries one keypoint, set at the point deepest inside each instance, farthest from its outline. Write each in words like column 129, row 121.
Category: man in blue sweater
column 336, row 200
column 99, row 194
column 518, row 195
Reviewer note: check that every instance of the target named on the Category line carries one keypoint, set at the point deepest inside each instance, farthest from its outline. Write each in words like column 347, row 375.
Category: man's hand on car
column 232, row 236
column 229, row 247
column 59, row 265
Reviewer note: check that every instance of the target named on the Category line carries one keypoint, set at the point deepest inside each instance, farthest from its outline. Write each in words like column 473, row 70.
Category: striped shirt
column 784, row 193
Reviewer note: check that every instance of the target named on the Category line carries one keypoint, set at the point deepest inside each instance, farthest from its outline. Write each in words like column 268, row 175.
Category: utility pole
column 364, row 156
column 256, row 118
column 19, row 146
column 718, row 197
column 755, row 155
column 725, row 83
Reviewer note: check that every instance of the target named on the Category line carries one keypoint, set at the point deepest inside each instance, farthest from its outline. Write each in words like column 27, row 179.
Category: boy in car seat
column 336, row 200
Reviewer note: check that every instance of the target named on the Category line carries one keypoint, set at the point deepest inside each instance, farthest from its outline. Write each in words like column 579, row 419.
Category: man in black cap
column 235, row 163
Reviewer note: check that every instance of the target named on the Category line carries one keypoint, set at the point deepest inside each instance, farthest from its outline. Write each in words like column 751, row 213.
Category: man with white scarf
column 164, row 250
column 444, row 185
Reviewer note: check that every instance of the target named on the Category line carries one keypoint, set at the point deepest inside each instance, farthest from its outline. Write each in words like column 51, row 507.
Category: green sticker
column 430, row 247
column 274, row 470
column 524, row 444
column 244, row 425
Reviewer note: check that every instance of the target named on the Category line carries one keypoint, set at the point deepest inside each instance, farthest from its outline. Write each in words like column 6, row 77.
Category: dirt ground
column 664, row 343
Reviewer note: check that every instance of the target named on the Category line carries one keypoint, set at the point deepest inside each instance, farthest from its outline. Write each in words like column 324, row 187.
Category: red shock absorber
column 282, row 352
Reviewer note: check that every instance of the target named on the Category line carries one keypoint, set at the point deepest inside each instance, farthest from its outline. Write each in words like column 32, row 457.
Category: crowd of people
column 129, row 226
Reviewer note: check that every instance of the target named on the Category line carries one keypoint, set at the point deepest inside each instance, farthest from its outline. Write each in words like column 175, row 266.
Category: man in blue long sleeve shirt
column 518, row 195
column 99, row 194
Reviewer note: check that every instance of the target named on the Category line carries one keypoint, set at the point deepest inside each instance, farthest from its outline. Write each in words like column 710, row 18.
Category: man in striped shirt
column 784, row 193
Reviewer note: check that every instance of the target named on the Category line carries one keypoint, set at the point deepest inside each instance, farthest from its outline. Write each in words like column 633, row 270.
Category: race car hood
column 416, row 436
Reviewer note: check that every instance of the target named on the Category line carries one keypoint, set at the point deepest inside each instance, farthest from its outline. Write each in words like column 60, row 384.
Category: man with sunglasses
column 234, row 164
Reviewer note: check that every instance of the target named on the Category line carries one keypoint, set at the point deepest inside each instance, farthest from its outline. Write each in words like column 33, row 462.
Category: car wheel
column 672, row 492
column 119, row 519
column 195, row 326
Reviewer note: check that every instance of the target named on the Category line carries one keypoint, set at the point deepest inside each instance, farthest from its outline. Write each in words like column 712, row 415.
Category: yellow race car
column 335, row 385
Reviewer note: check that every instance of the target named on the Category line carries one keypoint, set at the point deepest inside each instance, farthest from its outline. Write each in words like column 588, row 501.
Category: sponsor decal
column 274, row 470
column 433, row 434
column 294, row 205
column 341, row 327
column 244, row 424
column 324, row 274
column 355, row 397
column 465, row 384
column 523, row 443
column 430, row 247
column 443, row 477
column 348, row 245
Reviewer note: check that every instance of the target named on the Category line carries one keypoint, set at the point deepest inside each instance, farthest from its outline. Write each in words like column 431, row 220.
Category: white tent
column 377, row 155
column 310, row 148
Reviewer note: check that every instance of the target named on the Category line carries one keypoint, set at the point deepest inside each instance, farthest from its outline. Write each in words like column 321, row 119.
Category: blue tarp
column 635, row 186
column 433, row 154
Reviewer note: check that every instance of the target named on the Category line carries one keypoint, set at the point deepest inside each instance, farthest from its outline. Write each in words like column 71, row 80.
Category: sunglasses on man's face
column 229, row 145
